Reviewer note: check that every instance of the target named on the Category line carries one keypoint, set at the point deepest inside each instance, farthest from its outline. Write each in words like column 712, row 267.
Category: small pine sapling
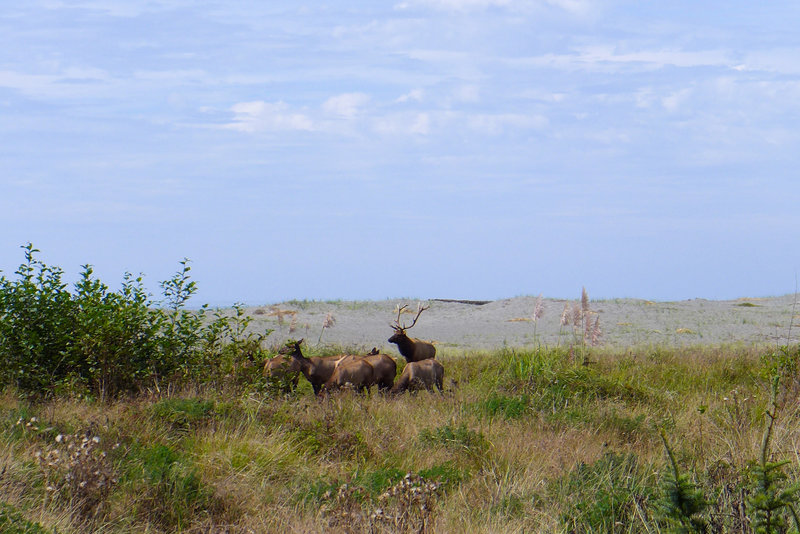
column 771, row 499
column 684, row 503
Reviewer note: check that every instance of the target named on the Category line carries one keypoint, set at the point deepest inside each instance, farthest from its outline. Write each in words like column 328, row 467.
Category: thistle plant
column 77, row 469
column 409, row 505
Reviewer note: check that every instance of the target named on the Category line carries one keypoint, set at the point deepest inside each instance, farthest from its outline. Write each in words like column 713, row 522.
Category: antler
column 420, row 309
column 396, row 324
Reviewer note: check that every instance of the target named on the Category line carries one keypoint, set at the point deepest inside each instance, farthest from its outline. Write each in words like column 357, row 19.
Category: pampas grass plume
column 538, row 308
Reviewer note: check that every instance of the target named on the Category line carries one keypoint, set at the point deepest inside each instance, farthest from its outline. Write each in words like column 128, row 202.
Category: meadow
column 118, row 414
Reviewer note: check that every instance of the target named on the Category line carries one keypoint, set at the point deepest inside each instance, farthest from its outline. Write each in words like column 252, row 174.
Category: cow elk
column 413, row 350
column 317, row 370
column 356, row 373
column 283, row 371
column 383, row 365
column 424, row 374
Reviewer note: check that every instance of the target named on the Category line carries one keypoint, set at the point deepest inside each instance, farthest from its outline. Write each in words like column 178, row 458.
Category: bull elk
column 418, row 375
column 317, row 370
column 413, row 350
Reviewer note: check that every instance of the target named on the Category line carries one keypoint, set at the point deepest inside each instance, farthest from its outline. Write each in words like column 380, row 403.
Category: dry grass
column 520, row 442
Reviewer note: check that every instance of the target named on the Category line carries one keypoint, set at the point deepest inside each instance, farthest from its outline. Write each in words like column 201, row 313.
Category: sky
column 474, row 149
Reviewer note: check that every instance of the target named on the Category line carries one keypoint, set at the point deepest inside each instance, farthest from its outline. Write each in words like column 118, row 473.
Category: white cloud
column 346, row 105
column 415, row 95
column 780, row 60
column 68, row 83
column 579, row 7
column 608, row 58
column 267, row 116
column 675, row 100
column 467, row 93
column 173, row 76
column 504, row 122
column 115, row 8
column 644, row 97
column 543, row 96
column 28, row 83
column 403, row 124
column 454, row 5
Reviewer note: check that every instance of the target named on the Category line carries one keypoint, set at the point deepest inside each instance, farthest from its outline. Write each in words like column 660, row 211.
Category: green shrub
column 37, row 318
column 13, row 522
column 93, row 340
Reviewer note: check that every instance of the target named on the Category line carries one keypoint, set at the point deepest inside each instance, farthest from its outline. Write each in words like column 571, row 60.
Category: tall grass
column 527, row 442
column 120, row 414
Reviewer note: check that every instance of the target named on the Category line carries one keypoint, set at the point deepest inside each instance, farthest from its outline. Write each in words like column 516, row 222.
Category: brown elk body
column 384, row 366
column 316, row 370
column 412, row 349
column 283, row 369
column 356, row 373
column 418, row 375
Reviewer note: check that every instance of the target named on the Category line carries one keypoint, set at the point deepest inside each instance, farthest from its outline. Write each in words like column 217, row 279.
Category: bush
column 93, row 340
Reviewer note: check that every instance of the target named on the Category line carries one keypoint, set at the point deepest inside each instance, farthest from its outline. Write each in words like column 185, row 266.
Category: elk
column 283, row 370
column 418, row 375
column 316, row 370
column 413, row 350
column 384, row 366
column 356, row 373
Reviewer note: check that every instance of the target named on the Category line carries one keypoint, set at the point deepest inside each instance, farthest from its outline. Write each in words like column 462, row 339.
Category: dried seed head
column 596, row 332
column 577, row 316
column 565, row 315
column 538, row 308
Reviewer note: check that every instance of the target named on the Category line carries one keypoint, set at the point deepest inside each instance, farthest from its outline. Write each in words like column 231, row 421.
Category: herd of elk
column 360, row 372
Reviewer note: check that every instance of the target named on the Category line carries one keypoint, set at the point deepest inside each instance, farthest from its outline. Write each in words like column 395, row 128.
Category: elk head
column 291, row 348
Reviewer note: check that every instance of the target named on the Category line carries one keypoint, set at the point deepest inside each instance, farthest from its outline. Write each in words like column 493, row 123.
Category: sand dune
column 488, row 325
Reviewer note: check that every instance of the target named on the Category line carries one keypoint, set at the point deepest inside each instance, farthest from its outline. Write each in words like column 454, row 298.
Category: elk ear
column 298, row 343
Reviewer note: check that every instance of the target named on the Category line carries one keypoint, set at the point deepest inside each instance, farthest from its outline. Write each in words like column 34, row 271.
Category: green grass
column 525, row 441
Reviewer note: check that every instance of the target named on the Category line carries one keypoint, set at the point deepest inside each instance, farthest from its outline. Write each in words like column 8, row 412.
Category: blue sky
column 420, row 148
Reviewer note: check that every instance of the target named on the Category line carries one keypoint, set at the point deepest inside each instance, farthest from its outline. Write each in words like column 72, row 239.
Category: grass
column 521, row 441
